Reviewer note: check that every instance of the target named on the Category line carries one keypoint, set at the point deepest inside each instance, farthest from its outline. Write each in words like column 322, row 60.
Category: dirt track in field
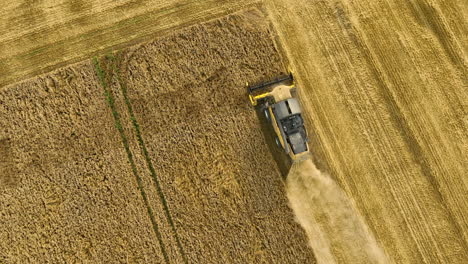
column 176, row 170
column 336, row 231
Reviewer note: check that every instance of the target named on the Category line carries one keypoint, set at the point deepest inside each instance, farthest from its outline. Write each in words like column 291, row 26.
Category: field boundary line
column 136, row 126
column 110, row 99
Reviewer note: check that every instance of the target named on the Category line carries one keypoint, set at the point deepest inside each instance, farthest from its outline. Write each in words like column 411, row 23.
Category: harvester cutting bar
column 280, row 79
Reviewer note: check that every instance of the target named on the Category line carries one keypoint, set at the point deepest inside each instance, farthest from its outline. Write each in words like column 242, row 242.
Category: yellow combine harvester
column 283, row 112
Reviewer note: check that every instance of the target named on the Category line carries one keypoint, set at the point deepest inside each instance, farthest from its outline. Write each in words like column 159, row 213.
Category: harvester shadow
column 282, row 160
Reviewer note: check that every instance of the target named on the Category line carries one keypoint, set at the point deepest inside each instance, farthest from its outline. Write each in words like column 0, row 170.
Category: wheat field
column 151, row 153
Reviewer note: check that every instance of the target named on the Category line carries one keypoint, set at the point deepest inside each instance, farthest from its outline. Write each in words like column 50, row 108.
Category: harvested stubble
column 384, row 91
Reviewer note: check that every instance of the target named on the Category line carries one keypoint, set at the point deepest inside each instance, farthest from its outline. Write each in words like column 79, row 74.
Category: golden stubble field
column 383, row 84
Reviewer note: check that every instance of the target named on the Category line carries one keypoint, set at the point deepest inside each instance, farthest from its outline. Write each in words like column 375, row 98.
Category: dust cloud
column 336, row 232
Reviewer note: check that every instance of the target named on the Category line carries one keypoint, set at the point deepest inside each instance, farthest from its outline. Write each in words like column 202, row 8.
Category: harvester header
column 282, row 78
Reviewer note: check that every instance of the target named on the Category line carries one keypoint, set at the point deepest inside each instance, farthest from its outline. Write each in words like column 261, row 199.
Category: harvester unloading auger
column 283, row 112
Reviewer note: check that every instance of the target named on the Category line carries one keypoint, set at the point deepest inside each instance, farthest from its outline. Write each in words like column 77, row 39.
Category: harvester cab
column 282, row 110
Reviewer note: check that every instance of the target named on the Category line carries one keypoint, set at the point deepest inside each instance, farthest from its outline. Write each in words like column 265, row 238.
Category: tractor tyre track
column 103, row 78
column 123, row 88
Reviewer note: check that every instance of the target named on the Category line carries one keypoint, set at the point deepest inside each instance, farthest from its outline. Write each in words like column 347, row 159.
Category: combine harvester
column 282, row 110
